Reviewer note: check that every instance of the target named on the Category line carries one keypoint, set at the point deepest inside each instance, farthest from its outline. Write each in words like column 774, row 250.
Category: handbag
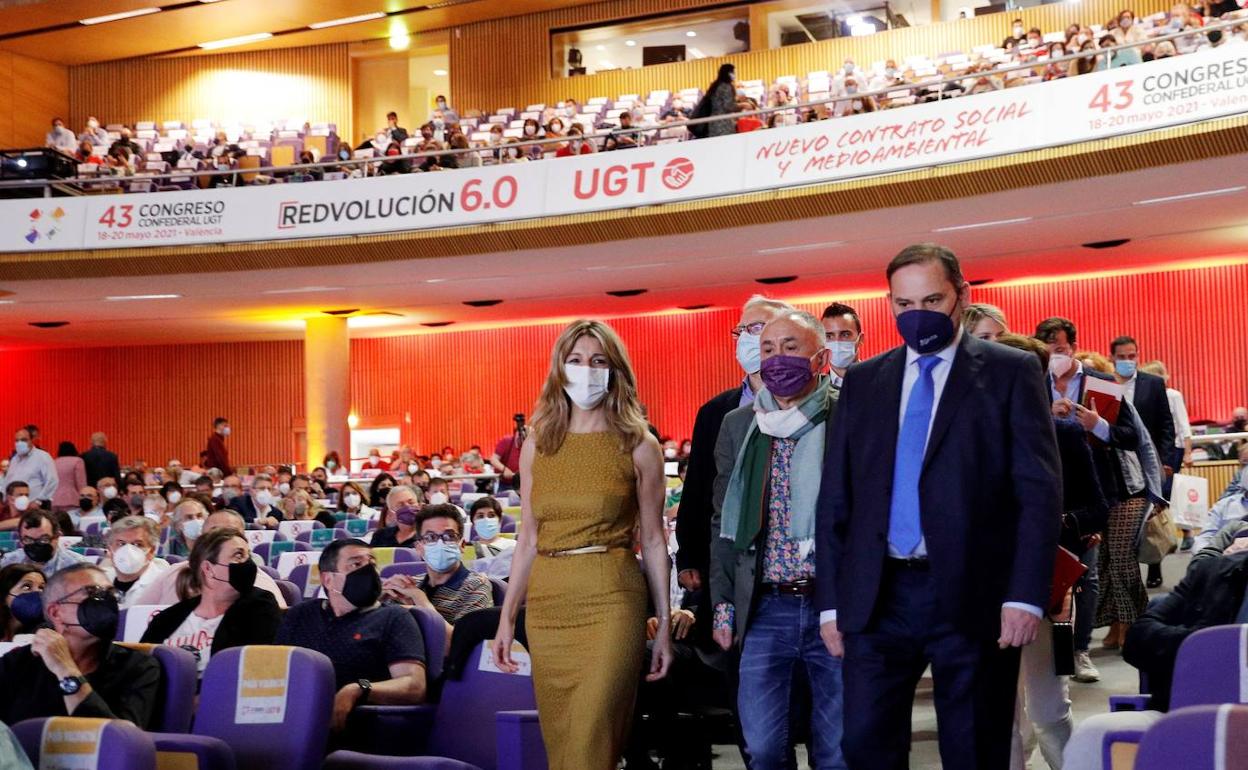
column 1067, row 569
column 1159, row 539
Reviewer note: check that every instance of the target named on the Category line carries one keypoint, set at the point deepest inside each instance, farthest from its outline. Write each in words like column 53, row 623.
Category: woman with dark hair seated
column 226, row 610
column 21, row 587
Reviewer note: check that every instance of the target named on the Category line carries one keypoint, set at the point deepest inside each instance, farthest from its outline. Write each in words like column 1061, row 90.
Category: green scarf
column 743, row 511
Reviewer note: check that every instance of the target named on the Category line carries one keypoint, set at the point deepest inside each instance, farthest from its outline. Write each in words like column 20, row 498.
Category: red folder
column 1102, row 397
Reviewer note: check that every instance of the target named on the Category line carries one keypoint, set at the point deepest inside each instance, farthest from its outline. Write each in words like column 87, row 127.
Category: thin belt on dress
column 577, row 551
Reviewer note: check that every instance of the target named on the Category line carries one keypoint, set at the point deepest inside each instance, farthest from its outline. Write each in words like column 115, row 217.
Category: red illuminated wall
column 460, row 388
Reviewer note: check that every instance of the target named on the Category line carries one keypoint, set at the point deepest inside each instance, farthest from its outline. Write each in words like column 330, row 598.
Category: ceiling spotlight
column 627, row 292
column 347, row 311
column 695, row 307
column 600, row 48
column 437, row 324
column 483, row 302
column 1110, row 244
column 400, row 40
column 775, row 279
column 440, row 73
column 691, row 33
column 630, row 43
column 49, row 324
column 979, row 282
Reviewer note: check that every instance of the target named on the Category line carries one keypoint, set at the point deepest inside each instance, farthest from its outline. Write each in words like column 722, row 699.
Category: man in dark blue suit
column 937, row 526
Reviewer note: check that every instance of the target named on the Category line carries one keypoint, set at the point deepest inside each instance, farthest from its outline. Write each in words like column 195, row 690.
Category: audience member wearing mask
column 61, row 138
column 231, row 489
column 88, row 153
column 624, row 137
column 1229, row 510
column 94, row 133
column 1211, row 594
column 21, row 600
column 493, row 550
column 351, row 502
column 1179, row 456
column 397, row 165
column 720, row 99
column 506, row 457
column 39, row 539
column 73, row 668
column 16, row 503
column 843, row 338
column 693, row 521
column 591, row 475
column 175, row 584
column 216, row 454
column 449, row 587
column 448, row 113
column 769, row 458
column 32, row 465
column 403, row 502
column 260, row 506
column 226, row 610
column 984, row 321
column 465, row 159
column 126, row 142
column 373, row 462
column 132, row 564
column 188, row 523
column 377, row 650
column 100, row 462
column 577, row 144
column 439, row 491
column 378, row 489
column 88, row 510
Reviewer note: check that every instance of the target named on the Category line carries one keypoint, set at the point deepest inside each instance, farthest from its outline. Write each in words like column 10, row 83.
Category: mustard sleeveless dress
column 586, row 613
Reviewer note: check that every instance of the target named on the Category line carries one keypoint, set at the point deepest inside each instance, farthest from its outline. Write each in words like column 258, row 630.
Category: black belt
column 910, row 562
column 799, row 588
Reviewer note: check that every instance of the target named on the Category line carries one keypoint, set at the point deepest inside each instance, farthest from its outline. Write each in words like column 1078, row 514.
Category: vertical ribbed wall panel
column 462, row 387
column 484, row 78
column 313, row 82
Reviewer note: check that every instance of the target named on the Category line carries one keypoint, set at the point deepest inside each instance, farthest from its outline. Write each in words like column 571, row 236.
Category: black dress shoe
column 1153, row 582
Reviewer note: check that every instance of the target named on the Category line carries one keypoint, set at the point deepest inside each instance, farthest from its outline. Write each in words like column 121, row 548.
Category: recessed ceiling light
column 775, row 279
column 1189, row 196
column 440, row 73
column 691, row 33
column 606, row 65
column 483, row 302
column 345, row 311
column 303, row 290
column 347, row 20
column 600, row 48
column 627, row 292
column 979, row 282
column 977, row 225
column 130, row 297
column 7, row 301
column 802, row 247
column 695, row 307
column 437, row 324
column 1109, row 244
column 212, row 45
column 118, row 16
column 630, row 43
column 435, row 280
column 49, row 324
column 400, row 40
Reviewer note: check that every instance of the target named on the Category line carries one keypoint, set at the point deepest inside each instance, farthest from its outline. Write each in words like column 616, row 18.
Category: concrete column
column 327, row 387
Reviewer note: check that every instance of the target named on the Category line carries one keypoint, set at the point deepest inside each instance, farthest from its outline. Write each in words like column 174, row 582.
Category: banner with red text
column 1181, row 89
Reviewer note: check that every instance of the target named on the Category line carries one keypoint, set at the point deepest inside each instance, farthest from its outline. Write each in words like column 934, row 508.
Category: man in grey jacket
column 769, row 458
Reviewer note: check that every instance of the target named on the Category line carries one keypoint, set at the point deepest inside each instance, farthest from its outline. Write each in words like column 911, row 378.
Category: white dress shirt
column 1073, row 386
column 37, row 469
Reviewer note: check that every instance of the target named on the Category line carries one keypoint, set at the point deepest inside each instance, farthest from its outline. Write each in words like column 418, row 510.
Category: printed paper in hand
column 518, row 654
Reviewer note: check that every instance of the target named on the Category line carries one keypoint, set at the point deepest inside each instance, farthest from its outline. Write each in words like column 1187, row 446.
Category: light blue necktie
column 905, row 530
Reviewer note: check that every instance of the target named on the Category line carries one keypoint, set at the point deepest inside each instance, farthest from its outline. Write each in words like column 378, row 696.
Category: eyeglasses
column 90, row 592
column 433, row 538
column 45, row 540
column 753, row 329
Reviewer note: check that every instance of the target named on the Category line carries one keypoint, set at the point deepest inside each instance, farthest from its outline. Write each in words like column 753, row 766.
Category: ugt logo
column 44, row 224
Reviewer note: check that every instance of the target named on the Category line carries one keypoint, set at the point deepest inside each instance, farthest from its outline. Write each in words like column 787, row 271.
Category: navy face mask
column 926, row 331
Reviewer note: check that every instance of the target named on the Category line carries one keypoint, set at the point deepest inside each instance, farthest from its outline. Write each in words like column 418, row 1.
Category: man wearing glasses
column 73, row 668
column 448, row 587
column 40, row 538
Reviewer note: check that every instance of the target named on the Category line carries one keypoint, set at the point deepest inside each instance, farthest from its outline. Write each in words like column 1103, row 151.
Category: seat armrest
column 1118, row 749
column 519, row 736
column 1139, row 702
column 394, row 730
column 207, row 752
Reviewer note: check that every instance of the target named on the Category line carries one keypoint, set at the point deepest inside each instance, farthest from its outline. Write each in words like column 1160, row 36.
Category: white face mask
column 1059, row 364
column 587, row 385
column 780, row 423
column 225, row 431
column 149, row 506
column 842, row 353
column 373, row 460
column 669, row 453
column 413, row 467
column 174, row 497
column 438, row 498
column 284, row 488
column 192, row 528
column 21, row 502
column 351, row 500
column 22, row 447
column 264, row 497
column 129, row 559
column 109, row 492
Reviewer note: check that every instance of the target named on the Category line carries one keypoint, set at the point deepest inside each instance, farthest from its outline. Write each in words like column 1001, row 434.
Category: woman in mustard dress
column 588, row 477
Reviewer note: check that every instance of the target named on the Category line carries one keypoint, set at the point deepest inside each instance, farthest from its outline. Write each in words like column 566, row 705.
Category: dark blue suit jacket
column 991, row 488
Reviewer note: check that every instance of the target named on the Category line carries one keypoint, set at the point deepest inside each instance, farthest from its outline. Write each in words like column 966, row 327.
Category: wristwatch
column 366, row 690
column 70, row 685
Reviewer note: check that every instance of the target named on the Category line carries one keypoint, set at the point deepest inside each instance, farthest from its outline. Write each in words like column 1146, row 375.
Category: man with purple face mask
column 402, row 504
column 770, row 461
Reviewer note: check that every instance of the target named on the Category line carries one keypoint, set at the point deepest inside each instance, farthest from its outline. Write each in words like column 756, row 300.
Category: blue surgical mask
column 28, row 608
column 748, row 354
column 487, row 528
column 1125, row 369
column 842, row 353
column 22, row 447
column 442, row 557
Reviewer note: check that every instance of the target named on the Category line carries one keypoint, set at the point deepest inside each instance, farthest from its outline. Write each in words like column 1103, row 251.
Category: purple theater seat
column 519, row 741
column 412, row 568
column 290, row 591
column 499, row 589
column 122, row 746
column 509, row 524
column 354, row 760
column 1192, row 738
column 270, row 571
column 297, row 741
column 1196, row 682
column 179, row 677
column 174, row 558
column 433, row 630
column 195, row 751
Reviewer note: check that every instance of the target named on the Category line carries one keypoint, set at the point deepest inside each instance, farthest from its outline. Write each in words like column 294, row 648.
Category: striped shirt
column 465, row 592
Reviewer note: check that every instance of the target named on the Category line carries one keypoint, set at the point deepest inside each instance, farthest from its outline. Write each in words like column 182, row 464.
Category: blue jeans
column 1089, row 588
column 783, row 631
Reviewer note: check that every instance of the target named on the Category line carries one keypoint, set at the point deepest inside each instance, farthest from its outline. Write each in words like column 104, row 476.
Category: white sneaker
column 1084, row 670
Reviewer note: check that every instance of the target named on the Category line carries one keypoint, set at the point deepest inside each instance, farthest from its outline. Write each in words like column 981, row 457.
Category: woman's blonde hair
column 554, row 408
column 1095, row 361
column 978, row 311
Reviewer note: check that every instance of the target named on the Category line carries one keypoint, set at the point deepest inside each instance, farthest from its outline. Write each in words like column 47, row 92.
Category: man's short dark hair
column 115, row 509
column 836, row 310
column 35, row 519
column 32, row 429
column 1047, row 329
column 203, row 480
column 444, row 511
column 486, row 502
column 928, row 252
column 392, row 114
column 8, row 490
column 439, row 480
column 1120, row 341
column 328, row 561
column 217, row 423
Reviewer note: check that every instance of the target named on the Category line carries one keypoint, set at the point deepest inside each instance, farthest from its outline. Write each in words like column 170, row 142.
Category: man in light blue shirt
column 32, row 465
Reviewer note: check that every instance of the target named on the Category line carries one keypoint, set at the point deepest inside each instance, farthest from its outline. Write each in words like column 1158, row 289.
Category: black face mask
column 98, row 615
column 242, row 576
column 362, row 587
column 40, row 553
column 85, row 503
column 136, row 501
